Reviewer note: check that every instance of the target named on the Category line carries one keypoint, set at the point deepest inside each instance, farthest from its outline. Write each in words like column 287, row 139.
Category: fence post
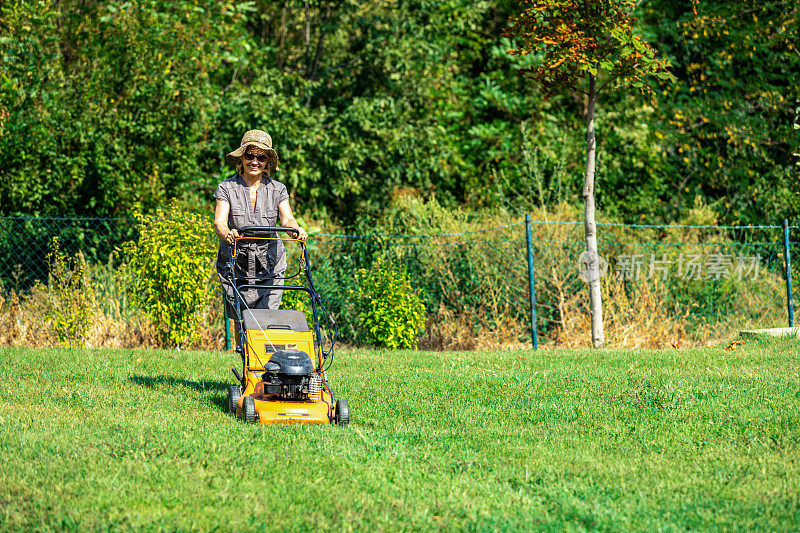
column 787, row 259
column 534, row 339
column 227, row 325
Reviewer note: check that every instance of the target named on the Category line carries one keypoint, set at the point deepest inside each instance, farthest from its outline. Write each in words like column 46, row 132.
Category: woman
column 252, row 198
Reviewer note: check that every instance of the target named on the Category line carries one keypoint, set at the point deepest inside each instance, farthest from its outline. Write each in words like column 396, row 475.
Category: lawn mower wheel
column 249, row 409
column 342, row 412
column 234, row 393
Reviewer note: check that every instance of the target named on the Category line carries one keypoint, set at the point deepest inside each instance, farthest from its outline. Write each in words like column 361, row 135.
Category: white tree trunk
column 590, row 228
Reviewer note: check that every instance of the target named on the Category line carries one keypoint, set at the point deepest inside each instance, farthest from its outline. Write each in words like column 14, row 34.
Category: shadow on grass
column 218, row 389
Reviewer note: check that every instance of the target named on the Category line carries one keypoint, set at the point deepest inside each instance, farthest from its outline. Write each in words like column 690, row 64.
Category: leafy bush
column 390, row 313
column 172, row 267
column 71, row 302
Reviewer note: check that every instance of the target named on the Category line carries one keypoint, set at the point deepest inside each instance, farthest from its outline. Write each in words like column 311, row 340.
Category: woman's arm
column 221, row 222
column 288, row 220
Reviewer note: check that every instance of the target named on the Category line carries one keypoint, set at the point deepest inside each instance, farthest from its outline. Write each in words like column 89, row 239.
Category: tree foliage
column 110, row 106
column 575, row 38
column 105, row 103
column 727, row 127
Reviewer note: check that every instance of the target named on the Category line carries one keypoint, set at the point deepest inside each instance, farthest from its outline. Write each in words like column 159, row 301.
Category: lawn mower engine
column 290, row 374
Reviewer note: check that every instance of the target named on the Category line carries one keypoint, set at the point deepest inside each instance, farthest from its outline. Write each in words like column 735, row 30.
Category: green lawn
column 559, row 439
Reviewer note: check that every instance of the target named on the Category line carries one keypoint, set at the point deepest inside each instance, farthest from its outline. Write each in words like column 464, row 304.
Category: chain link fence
column 677, row 281
column 477, row 280
column 25, row 243
column 659, row 282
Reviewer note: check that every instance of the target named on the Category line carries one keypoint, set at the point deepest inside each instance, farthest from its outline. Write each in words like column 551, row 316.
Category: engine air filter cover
column 293, row 362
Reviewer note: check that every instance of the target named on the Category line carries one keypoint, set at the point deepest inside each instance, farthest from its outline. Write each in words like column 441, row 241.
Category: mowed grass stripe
column 559, row 439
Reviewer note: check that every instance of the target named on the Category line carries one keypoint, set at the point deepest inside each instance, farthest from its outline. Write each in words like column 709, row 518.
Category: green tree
column 586, row 45
column 105, row 105
column 110, row 106
column 726, row 127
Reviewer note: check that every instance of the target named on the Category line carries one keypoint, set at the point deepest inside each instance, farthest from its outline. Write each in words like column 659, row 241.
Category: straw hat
column 260, row 139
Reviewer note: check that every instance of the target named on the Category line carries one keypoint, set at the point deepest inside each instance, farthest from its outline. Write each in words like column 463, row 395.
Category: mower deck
column 278, row 411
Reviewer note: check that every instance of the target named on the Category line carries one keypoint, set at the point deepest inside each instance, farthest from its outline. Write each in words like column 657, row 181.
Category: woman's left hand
column 302, row 234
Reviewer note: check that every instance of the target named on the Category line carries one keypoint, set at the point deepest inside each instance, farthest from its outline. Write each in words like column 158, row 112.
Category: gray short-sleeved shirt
column 234, row 190
column 256, row 258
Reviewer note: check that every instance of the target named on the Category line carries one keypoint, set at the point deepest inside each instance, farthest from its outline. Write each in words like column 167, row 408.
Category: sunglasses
column 249, row 157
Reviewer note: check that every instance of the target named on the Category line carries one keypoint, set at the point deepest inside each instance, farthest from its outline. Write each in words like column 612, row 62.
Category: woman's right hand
column 231, row 236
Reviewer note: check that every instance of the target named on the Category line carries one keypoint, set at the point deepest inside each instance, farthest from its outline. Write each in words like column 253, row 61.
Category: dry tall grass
column 476, row 284
column 24, row 322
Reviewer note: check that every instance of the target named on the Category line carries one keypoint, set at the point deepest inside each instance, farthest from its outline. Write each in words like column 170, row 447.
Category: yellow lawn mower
column 283, row 378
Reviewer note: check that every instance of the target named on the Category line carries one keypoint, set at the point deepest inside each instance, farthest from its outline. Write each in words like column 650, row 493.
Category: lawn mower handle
column 264, row 231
